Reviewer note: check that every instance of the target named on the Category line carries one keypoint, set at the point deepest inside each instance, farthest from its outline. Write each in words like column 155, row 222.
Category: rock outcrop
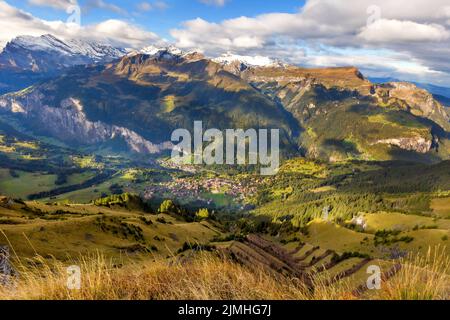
column 417, row 101
column 69, row 123
column 419, row 144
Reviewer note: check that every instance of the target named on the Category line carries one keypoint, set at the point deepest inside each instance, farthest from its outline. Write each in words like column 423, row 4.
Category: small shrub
column 202, row 214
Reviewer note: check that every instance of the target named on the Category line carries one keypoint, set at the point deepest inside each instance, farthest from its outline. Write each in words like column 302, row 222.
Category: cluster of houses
column 178, row 166
column 197, row 188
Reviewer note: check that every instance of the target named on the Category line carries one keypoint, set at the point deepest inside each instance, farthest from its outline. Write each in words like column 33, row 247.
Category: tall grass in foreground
column 422, row 277
column 208, row 277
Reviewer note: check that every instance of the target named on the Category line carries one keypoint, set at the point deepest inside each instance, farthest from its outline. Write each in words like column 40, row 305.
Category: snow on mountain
column 47, row 52
column 150, row 50
column 96, row 51
column 168, row 53
column 42, row 43
column 228, row 59
column 161, row 51
column 250, row 61
column 49, row 43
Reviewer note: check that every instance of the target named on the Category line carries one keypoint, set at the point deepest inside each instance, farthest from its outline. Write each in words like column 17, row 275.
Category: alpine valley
column 85, row 170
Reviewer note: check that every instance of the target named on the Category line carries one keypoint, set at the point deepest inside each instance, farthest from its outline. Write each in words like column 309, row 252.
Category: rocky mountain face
column 344, row 115
column 418, row 101
column 139, row 99
column 417, row 144
column 68, row 123
column 237, row 64
column 48, row 53
column 437, row 91
column 26, row 60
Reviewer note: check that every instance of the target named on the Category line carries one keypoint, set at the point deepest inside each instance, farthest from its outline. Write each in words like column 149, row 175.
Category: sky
column 402, row 39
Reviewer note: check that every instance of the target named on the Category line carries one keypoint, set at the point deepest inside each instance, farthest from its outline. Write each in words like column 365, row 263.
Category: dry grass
column 204, row 278
column 422, row 277
column 208, row 277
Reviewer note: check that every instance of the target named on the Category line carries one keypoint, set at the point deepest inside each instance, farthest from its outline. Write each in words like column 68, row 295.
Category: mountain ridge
column 137, row 93
column 329, row 113
column 48, row 53
column 27, row 60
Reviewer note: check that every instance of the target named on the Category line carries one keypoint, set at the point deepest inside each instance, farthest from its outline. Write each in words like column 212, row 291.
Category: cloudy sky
column 403, row 39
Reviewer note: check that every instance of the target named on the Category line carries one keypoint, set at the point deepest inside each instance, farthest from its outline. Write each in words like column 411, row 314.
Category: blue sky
column 403, row 39
column 171, row 16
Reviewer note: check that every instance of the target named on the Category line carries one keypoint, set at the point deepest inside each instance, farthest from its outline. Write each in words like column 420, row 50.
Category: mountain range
column 26, row 59
column 88, row 95
column 442, row 94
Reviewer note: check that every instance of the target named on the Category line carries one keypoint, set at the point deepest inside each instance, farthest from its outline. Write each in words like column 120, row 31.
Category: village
column 203, row 189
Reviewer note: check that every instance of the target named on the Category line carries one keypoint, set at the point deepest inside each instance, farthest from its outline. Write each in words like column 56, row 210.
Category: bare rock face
column 290, row 83
column 419, row 101
column 346, row 77
column 418, row 144
column 235, row 67
column 48, row 53
column 158, row 89
column 69, row 123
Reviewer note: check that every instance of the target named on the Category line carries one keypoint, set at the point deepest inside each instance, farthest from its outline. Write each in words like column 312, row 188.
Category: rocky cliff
column 68, row 123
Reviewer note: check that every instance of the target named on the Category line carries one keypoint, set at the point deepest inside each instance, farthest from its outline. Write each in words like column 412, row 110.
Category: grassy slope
column 343, row 119
column 69, row 230
column 331, row 236
column 388, row 198
column 27, row 183
column 403, row 222
column 441, row 207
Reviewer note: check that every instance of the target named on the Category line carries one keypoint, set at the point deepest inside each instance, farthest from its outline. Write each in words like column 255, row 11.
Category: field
column 403, row 222
column 227, row 153
column 323, row 224
column 441, row 207
column 63, row 231
column 24, row 184
column 337, row 238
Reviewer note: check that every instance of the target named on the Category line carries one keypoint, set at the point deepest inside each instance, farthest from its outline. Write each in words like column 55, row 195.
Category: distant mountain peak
column 167, row 52
column 42, row 43
column 47, row 52
column 250, row 61
column 137, row 101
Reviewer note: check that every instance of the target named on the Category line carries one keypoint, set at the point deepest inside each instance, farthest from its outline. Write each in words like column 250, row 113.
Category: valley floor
column 129, row 254
column 314, row 231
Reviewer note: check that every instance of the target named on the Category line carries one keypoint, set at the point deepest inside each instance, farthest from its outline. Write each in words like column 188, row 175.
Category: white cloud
column 149, row 6
column 89, row 4
column 218, row 3
column 331, row 21
column 384, row 30
column 417, row 29
column 57, row 4
column 15, row 22
column 145, row 6
column 120, row 32
column 370, row 60
column 101, row 4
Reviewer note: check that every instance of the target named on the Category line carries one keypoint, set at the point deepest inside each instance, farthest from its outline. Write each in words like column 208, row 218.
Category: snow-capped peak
column 42, row 43
column 153, row 51
column 150, row 50
column 165, row 52
column 251, row 61
column 175, row 51
column 71, row 47
column 95, row 50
